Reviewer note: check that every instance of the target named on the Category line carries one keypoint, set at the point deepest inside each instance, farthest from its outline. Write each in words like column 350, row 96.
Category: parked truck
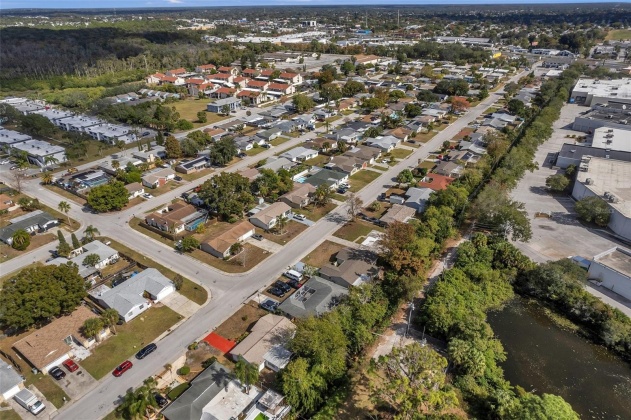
column 29, row 401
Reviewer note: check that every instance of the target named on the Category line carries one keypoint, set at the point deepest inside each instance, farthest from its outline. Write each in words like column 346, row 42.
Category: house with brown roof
column 352, row 267
column 221, row 78
column 401, row 133
column 366, row 59
column 135, row 189
column 250, row 72
column 268, row 217
column 364, row 153
column 281, row 88
column 348, row 164
column 220, row 245
column 322, row 144
column 435, row 182
column 228, row 70
column 251, row 173
column 174, row 217
column 300, row 196
column 215, row 133
column 223, row 93
column 397, row 213
column 205, row 68
column 176, row 72
column 257, row 84
column 347, row 104
column 450, row 169
column 252, row 97
column 265, row 345
column 53, row 344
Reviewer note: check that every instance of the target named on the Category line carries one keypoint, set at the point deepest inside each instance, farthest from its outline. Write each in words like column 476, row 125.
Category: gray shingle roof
column 316, row 296
column 127, row 295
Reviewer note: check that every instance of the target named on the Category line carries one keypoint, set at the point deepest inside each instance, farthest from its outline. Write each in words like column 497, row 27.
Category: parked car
column 57, row 373
column 146, row 133
column 342, row 190
column 13, row 168
column 147, row 196
column 295, row 284
column 258, row 237
column 386, row 161
column 282, row 286
column 276, row 292
column 300, row 217
column 73, row 170
column 70, row 365
column 267, row 146
column 269, row 305
column 242, row 155
column 146, row 351
column 177, row 178
column 122, row 368
column 162, row 402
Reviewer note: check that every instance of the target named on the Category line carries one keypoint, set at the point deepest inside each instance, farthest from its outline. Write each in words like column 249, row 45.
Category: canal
column 545, row 358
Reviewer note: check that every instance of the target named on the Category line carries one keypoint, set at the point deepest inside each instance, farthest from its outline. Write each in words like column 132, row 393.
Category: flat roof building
column 612, row 269
column 591, row 91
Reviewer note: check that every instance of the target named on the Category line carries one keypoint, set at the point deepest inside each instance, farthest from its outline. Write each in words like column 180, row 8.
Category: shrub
column 184, row 370
column 193, row 346
column 208, row 362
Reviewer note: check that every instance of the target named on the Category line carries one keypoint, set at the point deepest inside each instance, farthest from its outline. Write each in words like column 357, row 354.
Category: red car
column 70, row 365
column 122, row 368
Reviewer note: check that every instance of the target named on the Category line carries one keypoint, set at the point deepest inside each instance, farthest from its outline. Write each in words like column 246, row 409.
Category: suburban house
column 299, row 154
column 281, row 88
column 257, row 85
column 150, row 155
column 435, row 182
column 158, row 178
column 10, row 381
column 417, row 198
column 222, row 93
column 205, row 68
column 450, row 169
column 250, row 97
column 35, row 221
column 54, row 343
column 265, row 345
column 299, row 197
column 230, row 102
column 134, row 296
column 193, row 165
column 400, row 133
column 220, row 245
column 106, row 255
column 228, row 70
column 352, row 267
column 215, row 133
column 346, row 164
column 397, row 213
column 346, row 135
column 327, row 177
column 176, row 217
column 275, row 163
column 364, row 153
column 176, row 72
column 293, row 78
column 314, row 298
column 269, row 134
column 384, row 143
column 268, row 217
column 135, row 189
column 215, row 394
column 322, row 144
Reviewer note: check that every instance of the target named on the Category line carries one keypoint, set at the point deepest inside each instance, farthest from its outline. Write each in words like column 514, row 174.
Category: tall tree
column 112, row 196
column 246, row 373
column 139, row 403
column 90, row 232
column 172, row 148
column 75, row 242
column 64, row 207
column 354, row 205
column 20, row 240
column 110, row 317
column 223, row 151
column 322, row 195
column 92, row 327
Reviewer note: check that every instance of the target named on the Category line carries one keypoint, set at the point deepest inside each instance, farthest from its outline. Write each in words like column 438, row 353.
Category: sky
column 76, row 4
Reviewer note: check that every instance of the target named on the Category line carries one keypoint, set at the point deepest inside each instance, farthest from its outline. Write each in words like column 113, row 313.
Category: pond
column 544, row 358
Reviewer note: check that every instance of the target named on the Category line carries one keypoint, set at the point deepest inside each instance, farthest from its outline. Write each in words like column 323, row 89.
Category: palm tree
column 50, row 160
column 246, row 373
column 322, row 195
column 90, row 232
column 136, row 404
column 144, row 167
column 121, row 145
column 110, row 317
column 47, row 178
column 116, row 164
column 281, row 224
column 92, row 327
column 64, row 207
column 236, row 248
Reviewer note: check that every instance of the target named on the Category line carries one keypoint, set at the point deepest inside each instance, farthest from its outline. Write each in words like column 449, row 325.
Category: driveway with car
column 77, row 383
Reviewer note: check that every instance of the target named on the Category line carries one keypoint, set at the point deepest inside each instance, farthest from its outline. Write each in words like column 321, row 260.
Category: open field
column 129, row 338
column 361, row 179
column 618, row 35
column 189, row 108
column 323, row 254
column 241, row 321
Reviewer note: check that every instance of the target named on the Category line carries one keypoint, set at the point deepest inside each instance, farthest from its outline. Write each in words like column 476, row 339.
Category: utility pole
column 398, row 20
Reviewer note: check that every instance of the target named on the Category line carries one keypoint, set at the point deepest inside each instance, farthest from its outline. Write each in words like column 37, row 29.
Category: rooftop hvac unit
column 589, row 181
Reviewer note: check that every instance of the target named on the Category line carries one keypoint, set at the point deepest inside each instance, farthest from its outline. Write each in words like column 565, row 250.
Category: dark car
column 282, row 286
column 160, row 400
column 257, row 237
column 57, row 373
column 122, row 368
column 242, row 155
column 295, row 284
column 269, row 305
column 146, row 351
column 342, row 190
column 276, row 292
column 70, row 365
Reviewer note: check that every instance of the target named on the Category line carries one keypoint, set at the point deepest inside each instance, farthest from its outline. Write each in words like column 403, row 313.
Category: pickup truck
column 29, row 401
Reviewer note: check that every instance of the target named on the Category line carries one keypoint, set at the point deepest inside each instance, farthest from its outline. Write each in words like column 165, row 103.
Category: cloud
column 175, row 1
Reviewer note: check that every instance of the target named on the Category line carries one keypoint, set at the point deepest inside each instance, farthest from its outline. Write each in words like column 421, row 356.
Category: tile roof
column 435, row 182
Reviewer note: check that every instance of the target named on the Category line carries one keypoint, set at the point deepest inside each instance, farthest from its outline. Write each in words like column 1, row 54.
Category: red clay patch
column 220, row 343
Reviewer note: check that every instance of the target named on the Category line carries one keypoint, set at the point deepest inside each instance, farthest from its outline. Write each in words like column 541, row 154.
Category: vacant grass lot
column 361, row 179
column 619, row 35
column 355, row 230
column 401, row 153
column 189, row 108
column 67, row 194
column 315, row 213
column 241, row 321
column 7, row 252
column 129, row 338
column 279, row 140
column 323, row 254
column 189, row 289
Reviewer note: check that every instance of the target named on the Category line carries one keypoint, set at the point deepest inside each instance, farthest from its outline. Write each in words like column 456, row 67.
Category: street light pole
column 407, row 329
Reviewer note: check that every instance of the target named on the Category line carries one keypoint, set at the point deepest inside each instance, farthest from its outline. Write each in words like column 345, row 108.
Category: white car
column 147, row 196
column 385, row 161
column 300, row 217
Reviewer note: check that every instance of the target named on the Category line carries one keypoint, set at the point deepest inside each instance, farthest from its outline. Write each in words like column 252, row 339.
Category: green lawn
column 9, row 415
column 379, row 168
column 319, row 160
column 178, row 390
column 279, row 140
column 401, row 153
column 427, row 165
column 361, row 179
column 355, row 230
column 255, row 151
column 47, row 386
column 315, row 213
column 129, row 338
column 189, row 108
column 190, row 290
column 619, row 35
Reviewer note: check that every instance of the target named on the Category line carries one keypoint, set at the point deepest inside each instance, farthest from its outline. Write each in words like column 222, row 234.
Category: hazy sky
column 54, row 4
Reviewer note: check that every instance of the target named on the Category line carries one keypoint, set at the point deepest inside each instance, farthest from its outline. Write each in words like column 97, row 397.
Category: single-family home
column 417, row 198
column 275, row 163
column 250, row 73
column 299, row 154
column 230, row 102
column 450, row 169
column 56, row 342
column 89, row 272
column 322, row 144
column 36, row 221
column 385, row 143
column 266, row 343
column 176, row 217
column 243, row 144
column 135, row 295
column 352, row 267
column 293, row 78
column 10, row 381
column 250, row 97
column 215, row 133
column 401, row 133
column 176, row 72
column 463, row 156
column 150, row 155
column 397, row 213
column 158, row 177
column 328, row 177
column 222, row 93
column 299, row 197
column 258, row 85
column 228, row 70
column 316, row 297
column 269, row 134
column 155, row 79
column 268, row 217
column 364, row 153
column 135, row 189
column 435, row 182
column 346, row 135
column 220, row 245
column 280, row 89
column 205, row 68
column 251, row 173
column 435, row 113
column 348, row 164
column 193, row 165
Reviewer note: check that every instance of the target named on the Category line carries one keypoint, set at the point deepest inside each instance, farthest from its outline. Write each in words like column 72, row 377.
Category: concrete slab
column 77, row 384
column 49, row 412
column 265, row 244
column 180, row 304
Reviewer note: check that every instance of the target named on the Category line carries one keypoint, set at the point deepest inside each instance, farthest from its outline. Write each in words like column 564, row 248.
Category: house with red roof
column 252, row 97
column 293, row 78
column 435, row 182
column 205, row 68
column 257, row 84
column 223, row 93
column 228, row 70
column 282, row 88
column 267, row 72
column 250, row 72
column 155, row 79
column 176, row 72
column 221, row 78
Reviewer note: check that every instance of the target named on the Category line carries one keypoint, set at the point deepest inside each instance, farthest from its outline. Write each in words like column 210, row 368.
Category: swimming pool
column 301, row 180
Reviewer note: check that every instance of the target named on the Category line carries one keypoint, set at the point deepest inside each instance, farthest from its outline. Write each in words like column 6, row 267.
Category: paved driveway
column 180, row 304
column 49, row 412
column 306, row 222
column 76, row 384
column 266, row 244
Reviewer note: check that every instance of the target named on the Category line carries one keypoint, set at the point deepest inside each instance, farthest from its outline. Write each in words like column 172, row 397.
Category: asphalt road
column 229, row 291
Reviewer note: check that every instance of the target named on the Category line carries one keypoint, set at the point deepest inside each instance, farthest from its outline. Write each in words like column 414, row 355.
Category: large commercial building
column 593, row 91
column 612, row 269
column 608, row 143
column 611, row 180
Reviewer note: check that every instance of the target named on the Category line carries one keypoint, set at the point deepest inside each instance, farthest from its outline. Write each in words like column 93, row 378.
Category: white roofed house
column 299, row 154
column 268, row 217
column 10, row 381
column 385, row 143
column 136, row 295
